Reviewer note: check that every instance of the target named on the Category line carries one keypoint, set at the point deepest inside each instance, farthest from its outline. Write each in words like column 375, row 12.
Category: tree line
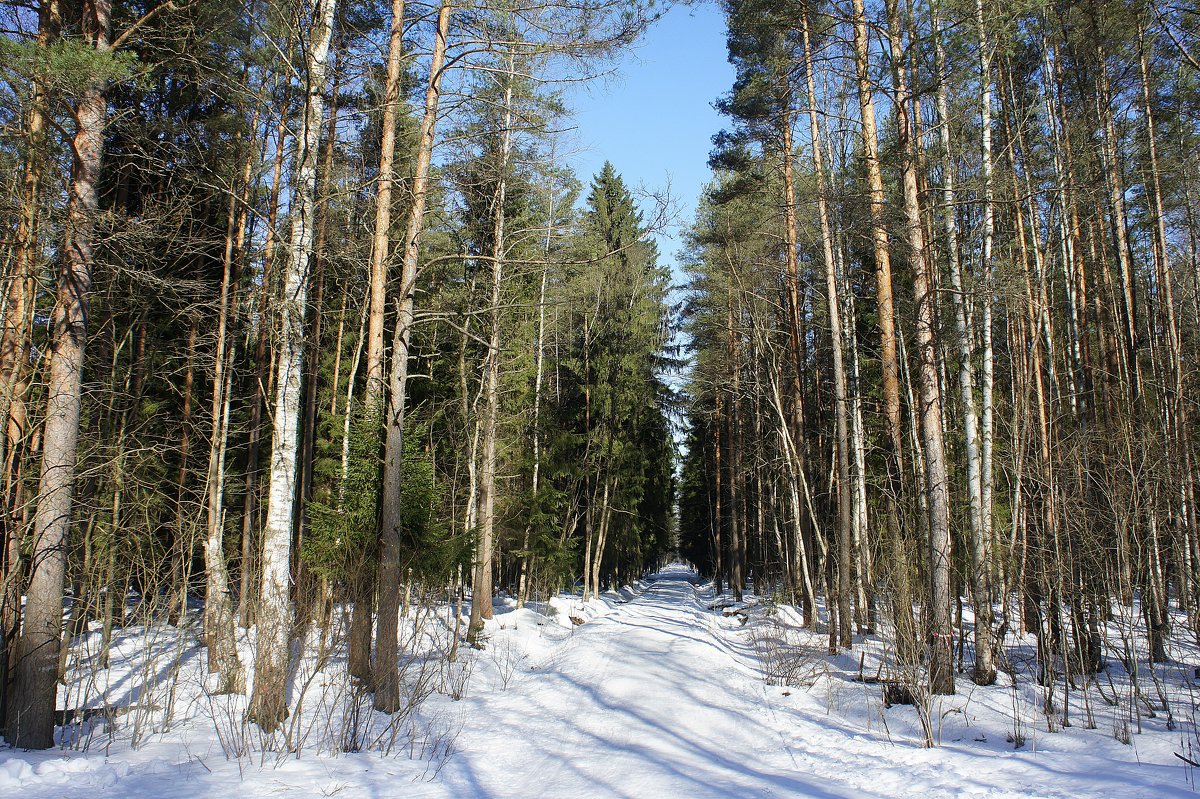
column 302, row 310
column 944, row 305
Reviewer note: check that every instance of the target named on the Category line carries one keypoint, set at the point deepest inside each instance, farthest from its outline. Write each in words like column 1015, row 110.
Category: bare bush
column 508, row 658
column 785, row 657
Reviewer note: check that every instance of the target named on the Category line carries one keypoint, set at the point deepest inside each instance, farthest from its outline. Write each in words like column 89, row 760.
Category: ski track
column 659, row 698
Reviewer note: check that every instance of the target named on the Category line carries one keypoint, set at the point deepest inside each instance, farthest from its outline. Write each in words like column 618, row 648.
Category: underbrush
column 147, row 681
column 1041, row 691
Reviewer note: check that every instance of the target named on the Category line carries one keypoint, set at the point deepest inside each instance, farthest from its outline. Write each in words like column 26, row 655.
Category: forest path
column 664, row 698
column 659, row 698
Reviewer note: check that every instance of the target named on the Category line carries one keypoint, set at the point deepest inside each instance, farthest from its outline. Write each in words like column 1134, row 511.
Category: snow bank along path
column 660, row 697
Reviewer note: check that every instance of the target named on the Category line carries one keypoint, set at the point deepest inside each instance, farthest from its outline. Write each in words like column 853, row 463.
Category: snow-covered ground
column 654, row 695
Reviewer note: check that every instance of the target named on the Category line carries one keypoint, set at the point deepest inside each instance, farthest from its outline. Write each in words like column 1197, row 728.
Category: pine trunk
column 386, row 665
column 30, row 723
column 941, row 677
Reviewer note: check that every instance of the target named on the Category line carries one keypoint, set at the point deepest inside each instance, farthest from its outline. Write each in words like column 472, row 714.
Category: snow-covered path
column 664, row 698
column 659, row 697
column 651, row 700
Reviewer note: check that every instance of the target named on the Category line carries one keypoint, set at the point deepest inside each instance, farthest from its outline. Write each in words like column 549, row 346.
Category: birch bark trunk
column 985, row 671
column 268, row 702
column 218, row 605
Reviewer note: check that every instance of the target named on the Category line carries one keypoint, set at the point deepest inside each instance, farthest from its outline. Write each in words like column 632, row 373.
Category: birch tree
column 268, row 703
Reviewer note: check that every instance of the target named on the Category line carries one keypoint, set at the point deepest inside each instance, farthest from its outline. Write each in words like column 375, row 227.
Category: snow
column 653, row 695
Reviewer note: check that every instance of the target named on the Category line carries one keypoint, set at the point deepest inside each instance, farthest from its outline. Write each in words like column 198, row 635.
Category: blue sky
column 654, row 117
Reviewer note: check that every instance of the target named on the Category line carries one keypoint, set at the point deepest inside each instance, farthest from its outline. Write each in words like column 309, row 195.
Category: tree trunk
column 14, row 357
column 985, row 671
column 538, row 380
column 889, row 360
column 30, row 722
column 358, row 658
column 481, row 594
column 246, row 596
column 218, row 606
column 737, row 577
column 387, row 677
column 837, row 339
column 987, row 425
column 941, row 677
column 184, row 527
column 383, row 212
column 309, row 587
column 268, row 703
column 881, row 246
column 364, row 599
column 1127, row 306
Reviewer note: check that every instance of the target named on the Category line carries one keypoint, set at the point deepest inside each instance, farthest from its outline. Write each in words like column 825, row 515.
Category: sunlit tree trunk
column 845, row 500
column 385, row 666
column 30, row 723
column 538, row 381
column 218, row 606
column 268, row 703
column 985, row 671
column 247, row 600
column 383, row 210
column 885, row 307
column 941, row 677
column 481, row 594
column 14, row 354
